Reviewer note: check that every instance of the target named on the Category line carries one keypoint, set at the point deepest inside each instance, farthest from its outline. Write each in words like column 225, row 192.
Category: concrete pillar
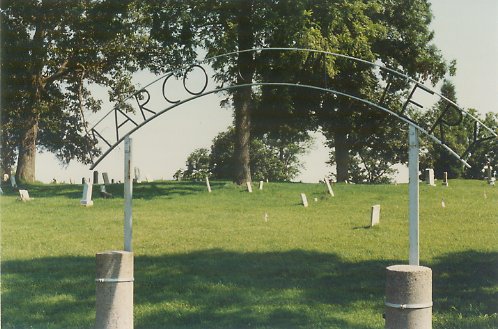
column 408, row 297
column 114, row 291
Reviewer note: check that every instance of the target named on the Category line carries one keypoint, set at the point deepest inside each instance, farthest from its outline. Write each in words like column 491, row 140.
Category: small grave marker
column 443, row 204
column 489, row 171
column 13, row 182
column 304, row 200
column 1, row 191
column 375, row 215
column 445, row 178
column 104, row 194
column 87, row 195
column 208, row 185
column 24, row 195
column 261, row 185
column 249, row 187
column 138, row 178
column 95, row 177
column 329, row 187
column 105, row 177
column 266, row 217
column 429, row 176
column 5, row 177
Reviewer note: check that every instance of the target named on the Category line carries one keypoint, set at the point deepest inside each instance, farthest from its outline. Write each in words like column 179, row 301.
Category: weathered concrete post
column 114, row 290
column 408, row 297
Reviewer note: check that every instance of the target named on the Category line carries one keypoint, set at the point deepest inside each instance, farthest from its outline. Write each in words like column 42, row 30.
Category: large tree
column 52, row 50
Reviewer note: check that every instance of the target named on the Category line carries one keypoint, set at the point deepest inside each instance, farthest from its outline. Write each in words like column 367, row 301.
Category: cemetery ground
column 214, row 260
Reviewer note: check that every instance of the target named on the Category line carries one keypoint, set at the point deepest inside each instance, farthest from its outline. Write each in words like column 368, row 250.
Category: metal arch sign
column 124, row 123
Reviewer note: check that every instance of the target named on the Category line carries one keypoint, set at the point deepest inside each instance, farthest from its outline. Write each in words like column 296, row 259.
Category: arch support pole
column 128, row 195
column 413, row 171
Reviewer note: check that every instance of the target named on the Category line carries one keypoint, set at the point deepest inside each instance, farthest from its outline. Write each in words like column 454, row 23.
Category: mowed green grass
column 211, row 260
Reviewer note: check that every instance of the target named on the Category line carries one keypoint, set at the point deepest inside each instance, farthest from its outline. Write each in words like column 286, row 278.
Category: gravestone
column 375, row 215
column 24, row 195
column 5, row 177
column 104, row 194
column 489, row 169
column 304, row 200
column 208, row 185
column 1, row 191
column 95, row 177
column 83, row 180
column 87, row 195
column 112, row 181
column 136, row 171
column 105, row 177
column 13, row 181
column 329, row 187
column 260, row 184
column 249, row 187
column 429, row 176
column 445, row 178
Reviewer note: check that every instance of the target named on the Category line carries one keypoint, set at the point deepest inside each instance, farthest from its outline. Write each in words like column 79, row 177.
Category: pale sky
column 465, row 30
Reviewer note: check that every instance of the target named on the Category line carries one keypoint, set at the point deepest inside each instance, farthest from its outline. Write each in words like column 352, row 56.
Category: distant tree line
column 270, row 159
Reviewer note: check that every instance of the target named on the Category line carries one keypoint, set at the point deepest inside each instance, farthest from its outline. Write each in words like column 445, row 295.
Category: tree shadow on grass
column 150, row 190
column 224, row 289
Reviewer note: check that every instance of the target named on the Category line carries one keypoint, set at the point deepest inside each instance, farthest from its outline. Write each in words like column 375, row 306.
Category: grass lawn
column 211, row 260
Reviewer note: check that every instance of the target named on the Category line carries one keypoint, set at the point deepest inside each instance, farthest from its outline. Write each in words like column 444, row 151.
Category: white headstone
column 443, row 204
column 429, row 176
column 136, row 171
column 375, row 216
column 5, row 177
column 1, row 191
column 304, row 200
column 445, row 179
column 489, row 170
column 24, row 195
column 105, row 176
column 249, row 187
column 208, row 185
column 13, row 181
column 260, row 184
column 329, row 187
column 87, row 195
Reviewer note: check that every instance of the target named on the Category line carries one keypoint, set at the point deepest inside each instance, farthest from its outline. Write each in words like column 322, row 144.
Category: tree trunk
column 341, row 155
column 27, row 153
column 242, row 97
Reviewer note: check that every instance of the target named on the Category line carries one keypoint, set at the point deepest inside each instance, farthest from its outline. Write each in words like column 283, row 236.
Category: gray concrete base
column 114, row 290
column 408, row 297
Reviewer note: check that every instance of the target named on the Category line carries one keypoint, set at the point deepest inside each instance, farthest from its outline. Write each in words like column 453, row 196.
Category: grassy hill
column 233, row 259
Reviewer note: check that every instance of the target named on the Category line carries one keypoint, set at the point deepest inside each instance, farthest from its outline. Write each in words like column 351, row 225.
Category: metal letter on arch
column 100, row 135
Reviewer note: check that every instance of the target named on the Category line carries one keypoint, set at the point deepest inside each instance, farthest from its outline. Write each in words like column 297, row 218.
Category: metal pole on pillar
column 128, row 195
column 413, row 168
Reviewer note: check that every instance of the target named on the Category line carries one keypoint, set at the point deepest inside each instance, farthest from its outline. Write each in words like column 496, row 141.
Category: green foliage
column 270, row 159
column 459, row 136
column 52, row 51
column 211, row 260
column 198, row 165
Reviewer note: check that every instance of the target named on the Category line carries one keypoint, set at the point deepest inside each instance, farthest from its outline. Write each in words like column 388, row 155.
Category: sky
column 465, row 30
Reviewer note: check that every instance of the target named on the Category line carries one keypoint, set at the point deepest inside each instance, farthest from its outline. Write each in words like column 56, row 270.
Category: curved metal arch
column 187, row 68
column 335, row 92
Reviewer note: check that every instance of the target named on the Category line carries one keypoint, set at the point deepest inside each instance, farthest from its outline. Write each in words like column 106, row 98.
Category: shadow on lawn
column 222, row 289
column 148, row 190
